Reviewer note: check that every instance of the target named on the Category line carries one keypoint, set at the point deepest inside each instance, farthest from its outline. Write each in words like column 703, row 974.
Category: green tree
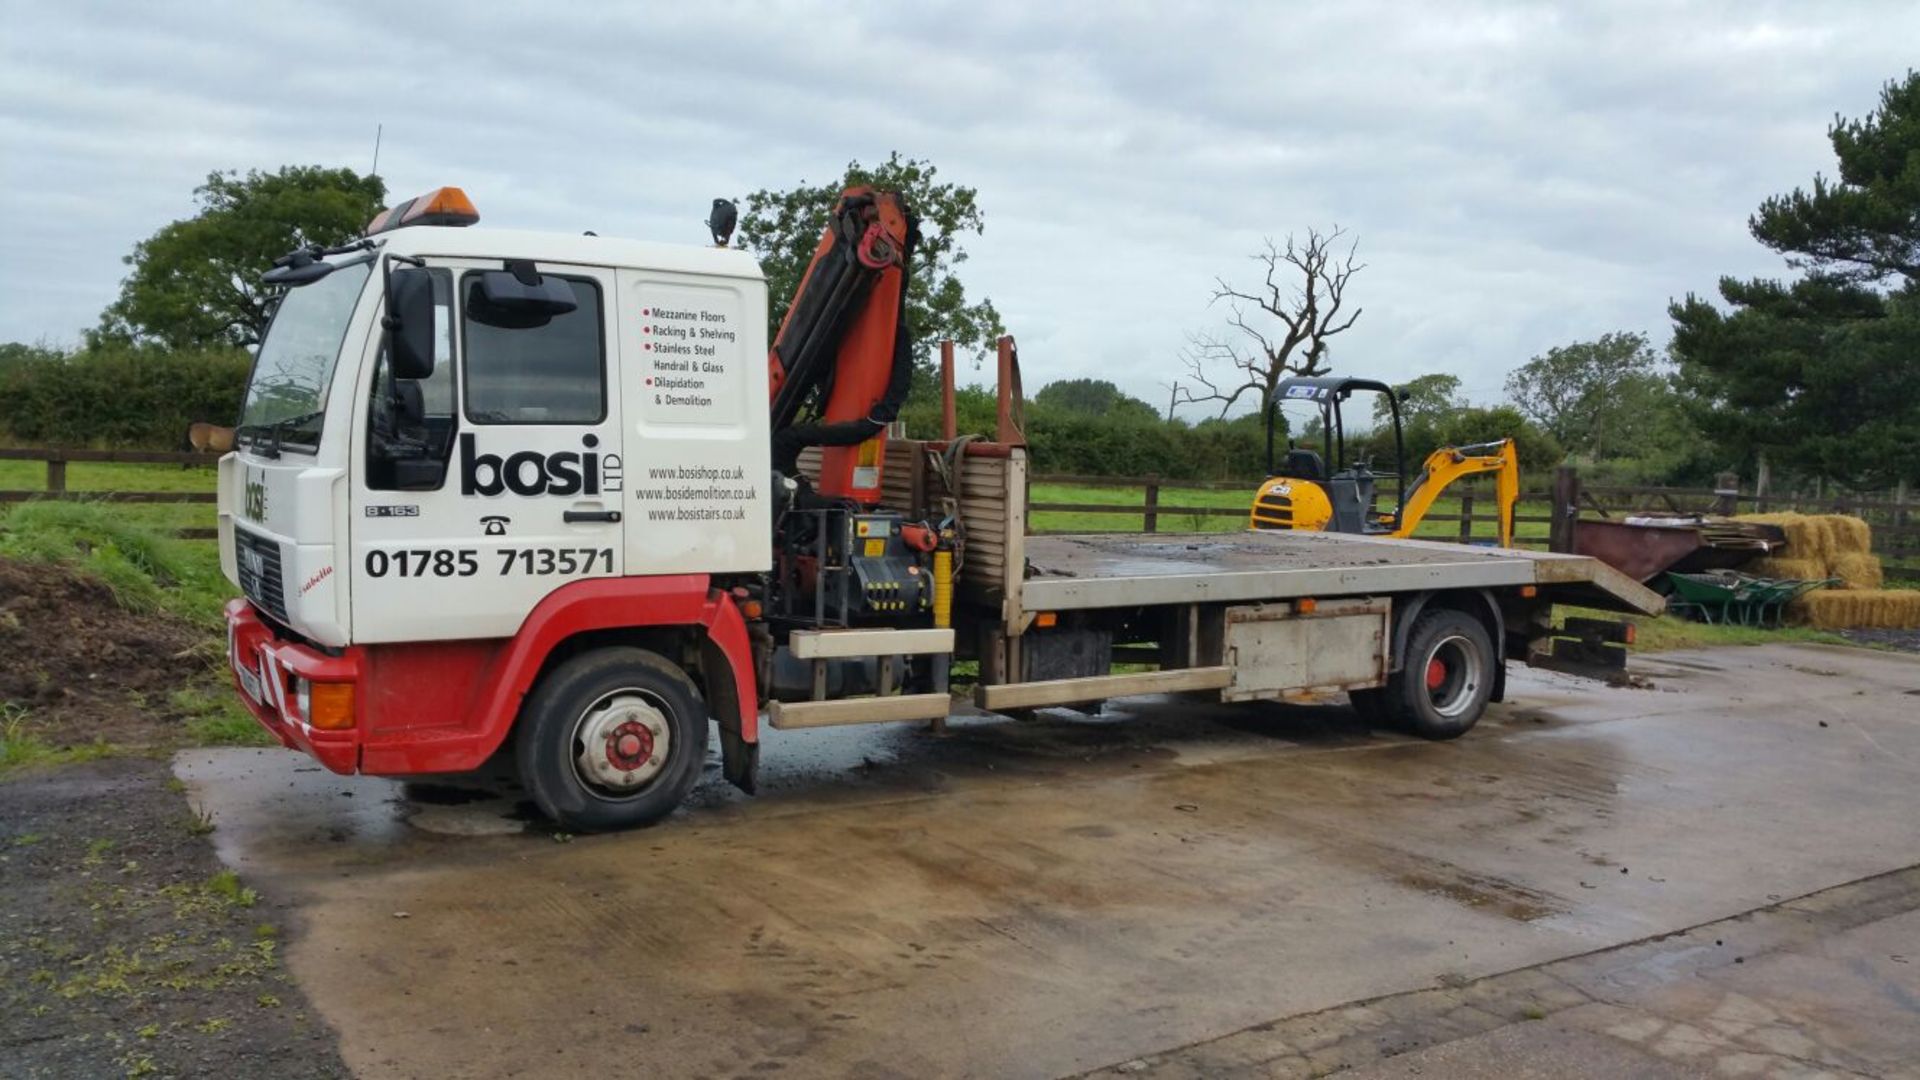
column 1427, row 430
column 1582, row 393
column 196, row 282
column 1093, row 397
column 1864, row 227
column 15, row 354
column 120, row 396
column 782, row 227
column 1819, row 375
column 1431, row 395
column 1467, row 426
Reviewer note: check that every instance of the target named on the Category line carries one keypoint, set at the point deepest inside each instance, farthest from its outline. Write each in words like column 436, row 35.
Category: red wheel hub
column 1436, row 673
column 629, row 746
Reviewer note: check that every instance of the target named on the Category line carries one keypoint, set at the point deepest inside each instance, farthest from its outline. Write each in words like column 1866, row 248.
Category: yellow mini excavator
column 1301, row 492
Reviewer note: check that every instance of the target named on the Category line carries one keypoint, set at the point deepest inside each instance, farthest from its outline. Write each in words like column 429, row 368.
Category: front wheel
column 1445, row 681
column 611, row 739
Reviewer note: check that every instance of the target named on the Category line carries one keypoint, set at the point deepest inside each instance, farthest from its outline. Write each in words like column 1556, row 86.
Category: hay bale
column 1788, row 568
column 1851, row 535
column 1808, row 536
column 1888, row 609
column 1856, row 571
column 1819, row 547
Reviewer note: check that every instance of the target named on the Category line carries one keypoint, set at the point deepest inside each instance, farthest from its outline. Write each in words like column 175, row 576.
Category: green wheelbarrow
column 1732, row 598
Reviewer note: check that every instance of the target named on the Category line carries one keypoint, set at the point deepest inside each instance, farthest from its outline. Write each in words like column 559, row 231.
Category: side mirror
column 519, row 297
column 410, row 324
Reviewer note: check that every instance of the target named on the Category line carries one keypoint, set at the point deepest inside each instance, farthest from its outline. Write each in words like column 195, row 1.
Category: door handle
column 572, row 517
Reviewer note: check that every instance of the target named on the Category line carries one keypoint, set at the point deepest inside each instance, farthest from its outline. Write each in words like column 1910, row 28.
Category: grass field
column 1239, row 500
column 83, row 476
column 109, row 476
column 1670, row 632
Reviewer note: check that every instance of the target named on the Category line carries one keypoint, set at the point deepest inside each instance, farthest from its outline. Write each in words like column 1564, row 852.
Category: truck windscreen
column 287, row 395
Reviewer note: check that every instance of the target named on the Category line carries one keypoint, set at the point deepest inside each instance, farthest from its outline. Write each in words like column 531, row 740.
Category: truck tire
column 1448, row 675
column 611, row 739
column 1444, row 684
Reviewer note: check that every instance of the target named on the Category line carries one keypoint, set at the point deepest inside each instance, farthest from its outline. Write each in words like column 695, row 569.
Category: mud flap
column 739, row 759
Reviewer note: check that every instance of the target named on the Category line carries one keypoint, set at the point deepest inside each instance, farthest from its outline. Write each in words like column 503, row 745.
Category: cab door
column 529, row 498
column 695, row 348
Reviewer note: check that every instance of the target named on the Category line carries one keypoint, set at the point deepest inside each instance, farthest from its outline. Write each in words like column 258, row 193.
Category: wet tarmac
column 1044, row 897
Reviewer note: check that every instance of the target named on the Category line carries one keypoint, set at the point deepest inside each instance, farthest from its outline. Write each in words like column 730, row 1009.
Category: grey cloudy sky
column 1518, row 175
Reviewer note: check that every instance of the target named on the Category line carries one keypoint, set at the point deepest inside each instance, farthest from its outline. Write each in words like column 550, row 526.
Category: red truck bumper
column 447, row 706
column 266, row 671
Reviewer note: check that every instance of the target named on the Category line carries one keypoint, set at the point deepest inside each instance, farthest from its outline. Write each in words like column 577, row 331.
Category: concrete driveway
column 1047, row 897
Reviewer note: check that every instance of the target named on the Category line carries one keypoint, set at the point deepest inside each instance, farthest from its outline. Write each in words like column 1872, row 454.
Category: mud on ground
column 1903, row 640
column 125, row 950
column 78, row 667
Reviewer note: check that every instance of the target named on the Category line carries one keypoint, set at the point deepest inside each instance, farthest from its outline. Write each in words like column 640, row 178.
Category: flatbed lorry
column 501, row 494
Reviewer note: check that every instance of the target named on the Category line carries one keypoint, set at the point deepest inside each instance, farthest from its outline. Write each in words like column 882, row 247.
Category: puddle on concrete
column 1488, row 894
column 1689, row 665
column 1063, row 883
column 484, row 817
column 446, row 795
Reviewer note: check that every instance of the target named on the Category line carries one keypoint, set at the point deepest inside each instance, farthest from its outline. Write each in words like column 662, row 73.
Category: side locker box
column 1335, row 645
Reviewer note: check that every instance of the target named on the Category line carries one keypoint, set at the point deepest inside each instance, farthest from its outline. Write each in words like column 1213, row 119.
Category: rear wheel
column 612, row 739
column 1444, row 682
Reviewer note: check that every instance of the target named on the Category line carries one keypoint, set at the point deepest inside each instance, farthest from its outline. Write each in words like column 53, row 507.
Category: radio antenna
column 377, row 131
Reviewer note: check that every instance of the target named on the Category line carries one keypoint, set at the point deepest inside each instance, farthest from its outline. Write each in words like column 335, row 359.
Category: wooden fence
column 57, row 461
column 1896, row 536
column 1475, row 521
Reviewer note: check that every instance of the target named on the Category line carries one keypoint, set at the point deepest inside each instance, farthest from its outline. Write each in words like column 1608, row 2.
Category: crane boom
column 842, row 361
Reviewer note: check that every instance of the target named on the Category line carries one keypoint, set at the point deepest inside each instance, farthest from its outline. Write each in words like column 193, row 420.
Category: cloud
column 1518, row 175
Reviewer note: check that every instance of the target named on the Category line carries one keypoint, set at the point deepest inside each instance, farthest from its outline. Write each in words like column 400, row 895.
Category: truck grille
column 260, row 579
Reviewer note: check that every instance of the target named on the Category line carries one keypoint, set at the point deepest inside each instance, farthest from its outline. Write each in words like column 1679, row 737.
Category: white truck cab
column 587, row 410
column 626, row 436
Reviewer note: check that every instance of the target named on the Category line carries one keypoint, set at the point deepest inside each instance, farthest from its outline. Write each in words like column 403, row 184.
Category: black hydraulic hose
column 788, row 442
column 819, row 322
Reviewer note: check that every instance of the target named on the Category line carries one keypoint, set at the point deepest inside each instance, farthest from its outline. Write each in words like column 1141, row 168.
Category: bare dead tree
column 1279, row 329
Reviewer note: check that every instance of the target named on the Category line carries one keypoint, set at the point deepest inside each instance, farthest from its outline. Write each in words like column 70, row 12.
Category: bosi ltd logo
column 530, row 472
column 254, row 497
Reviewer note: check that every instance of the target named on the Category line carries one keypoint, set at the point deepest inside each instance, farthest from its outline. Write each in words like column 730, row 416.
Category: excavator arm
column 842, row 361
column 1450, row 463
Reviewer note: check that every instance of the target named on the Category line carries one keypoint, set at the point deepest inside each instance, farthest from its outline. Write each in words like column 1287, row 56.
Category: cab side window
column 550, row 371
column 412, row 421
